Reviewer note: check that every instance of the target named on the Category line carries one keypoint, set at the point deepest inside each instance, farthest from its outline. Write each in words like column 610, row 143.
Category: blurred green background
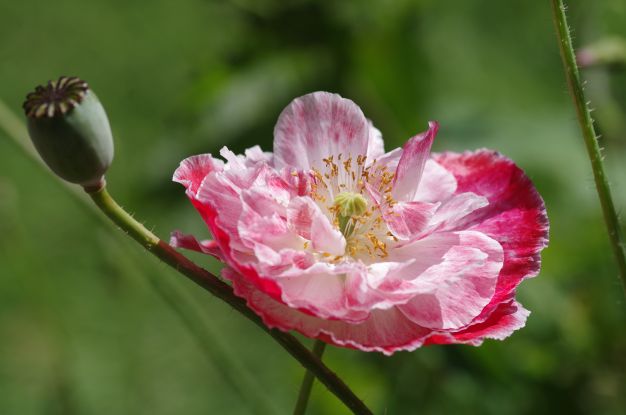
column 82, row 330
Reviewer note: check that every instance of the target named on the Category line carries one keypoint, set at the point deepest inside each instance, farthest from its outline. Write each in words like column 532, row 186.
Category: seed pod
column 70, row 130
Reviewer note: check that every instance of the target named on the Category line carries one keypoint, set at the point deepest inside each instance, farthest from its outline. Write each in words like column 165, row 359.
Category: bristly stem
column 307, row 381
column 185, row 307
column 16, row 131
column 589, row 134
column 224, row 292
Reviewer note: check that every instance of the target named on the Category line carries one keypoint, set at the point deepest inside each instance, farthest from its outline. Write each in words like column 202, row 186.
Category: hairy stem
column 307, row 381
column 16, row 132
column 224, row 292
column 589, row 134
column 186, row 308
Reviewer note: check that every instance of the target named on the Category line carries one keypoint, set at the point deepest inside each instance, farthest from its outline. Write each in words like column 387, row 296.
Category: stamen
column 343, row 182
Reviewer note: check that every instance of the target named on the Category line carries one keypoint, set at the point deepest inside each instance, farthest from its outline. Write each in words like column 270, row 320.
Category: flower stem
column 16, row 131
column 307, row 381
column 589, row 134
column 185, row 307
column 224, row 292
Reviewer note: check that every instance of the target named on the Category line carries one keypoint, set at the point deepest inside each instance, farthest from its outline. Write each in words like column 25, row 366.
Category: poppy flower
column 333, row 237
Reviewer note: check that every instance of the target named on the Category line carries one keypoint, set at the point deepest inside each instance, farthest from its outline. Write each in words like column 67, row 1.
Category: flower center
column 351, row 186
column 349, row 204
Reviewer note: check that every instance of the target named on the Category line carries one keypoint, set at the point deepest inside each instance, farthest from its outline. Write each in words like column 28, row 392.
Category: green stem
column 307, row 381
column 589, row 134
column 16, row 131
column 185, row 307
column 224, row 292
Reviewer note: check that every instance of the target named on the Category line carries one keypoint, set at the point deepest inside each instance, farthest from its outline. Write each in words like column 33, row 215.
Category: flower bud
column 70, row 130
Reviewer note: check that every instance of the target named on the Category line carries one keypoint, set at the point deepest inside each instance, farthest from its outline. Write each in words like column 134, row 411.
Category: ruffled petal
column 384, row 331
column 436, row 184
column 407, row 219
column 452, row 292
column 258, row 231
column 320, row 290
column 180, row 240
column 218, row 201
column 378, row 286
column 515, row 217
column 411, row 165
column 316, row 126
column 194, row 169
column 306, row 218
column 455, row 209
column 502, row 322
column 255, row 155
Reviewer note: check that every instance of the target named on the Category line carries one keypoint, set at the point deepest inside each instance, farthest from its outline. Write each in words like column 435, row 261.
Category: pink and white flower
column 333, row 237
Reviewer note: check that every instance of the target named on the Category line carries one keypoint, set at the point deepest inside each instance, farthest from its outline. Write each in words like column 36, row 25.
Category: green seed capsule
column 70, row 130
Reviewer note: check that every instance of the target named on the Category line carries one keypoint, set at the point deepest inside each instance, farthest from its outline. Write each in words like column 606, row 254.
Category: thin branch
column 16, row 132
column 224, row 292
column 307, row 381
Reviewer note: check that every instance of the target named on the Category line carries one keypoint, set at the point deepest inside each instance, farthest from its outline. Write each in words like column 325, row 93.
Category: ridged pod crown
column 70, row 130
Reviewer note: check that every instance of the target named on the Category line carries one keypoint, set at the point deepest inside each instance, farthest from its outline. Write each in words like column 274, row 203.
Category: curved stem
column 224, row 292
column 307, row 381
column 589, row 134
column 185, row 307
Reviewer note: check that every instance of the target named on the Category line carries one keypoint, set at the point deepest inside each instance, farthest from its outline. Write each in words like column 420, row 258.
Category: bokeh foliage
column 82, row 332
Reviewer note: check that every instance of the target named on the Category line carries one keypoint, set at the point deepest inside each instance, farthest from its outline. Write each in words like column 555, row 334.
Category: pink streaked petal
column 371, row 288
column 501, row 323
column 233, row 161
column 385, row 331
column 299, row 181
column 274, row 264
column 316, row 126
column 437, row 184
column 221, row 192
column 270, row 231
column 389, row 160
column 407, row 219
column 455, row 209
column 255, row 155
column 411, row 165
column 240, row 176
column 264, row 202
column 268, row 179
column 515, row 217
column 194, row 169
column 451, row 293
column 217, row 195
column 268, row 193
column 307, row 220
column 320, row 290
column 180, row 240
